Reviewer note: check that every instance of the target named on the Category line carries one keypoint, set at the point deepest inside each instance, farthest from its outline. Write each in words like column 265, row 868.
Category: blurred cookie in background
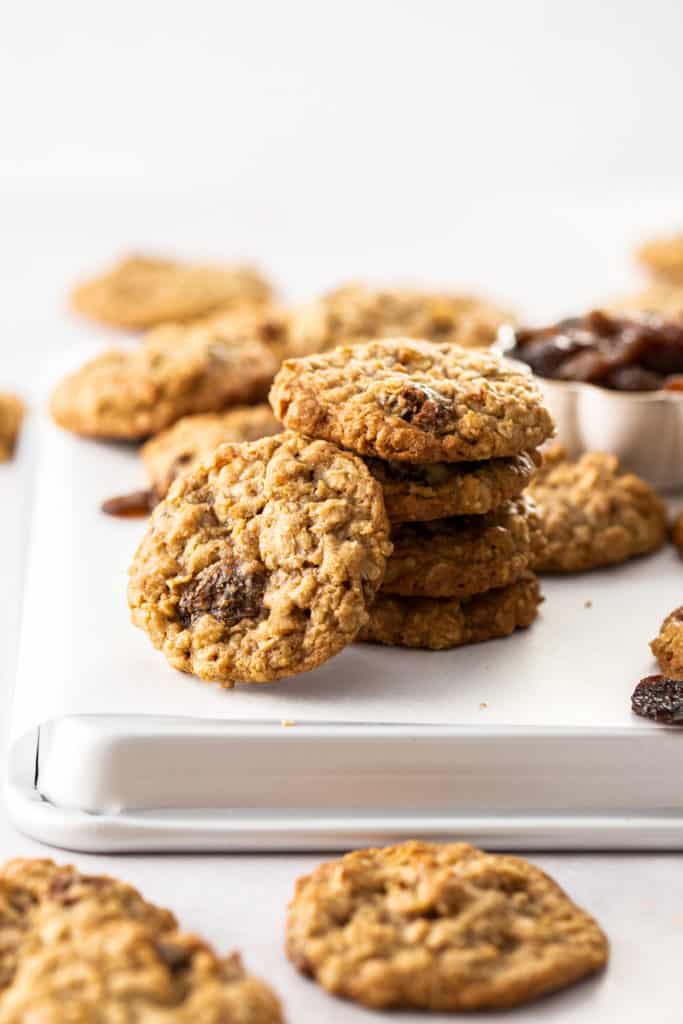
column 663, row 258
column 357, row 312
column 143, row 291
column 130, row 394
column 181, row 448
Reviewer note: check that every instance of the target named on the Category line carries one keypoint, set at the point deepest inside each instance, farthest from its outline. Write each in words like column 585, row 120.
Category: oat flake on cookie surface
column 262, row 562
column 416, row 401
column 88, row 949
column 439, row 927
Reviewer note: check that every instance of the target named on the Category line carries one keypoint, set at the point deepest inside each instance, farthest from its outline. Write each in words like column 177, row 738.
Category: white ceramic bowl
column 643, row 428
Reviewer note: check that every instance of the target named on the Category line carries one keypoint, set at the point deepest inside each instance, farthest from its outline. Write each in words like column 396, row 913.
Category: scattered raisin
column 225, row 592
column 138, row 503
column 659, row 698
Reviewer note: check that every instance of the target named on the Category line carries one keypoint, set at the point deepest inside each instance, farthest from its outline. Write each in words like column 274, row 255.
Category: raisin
column 225, row 592
column 625, row 354
column 659, row 698
column 176, row 959
column 419, row 405
column 137, row 503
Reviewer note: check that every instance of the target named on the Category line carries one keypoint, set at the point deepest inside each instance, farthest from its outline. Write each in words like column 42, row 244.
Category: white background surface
column 519, row 147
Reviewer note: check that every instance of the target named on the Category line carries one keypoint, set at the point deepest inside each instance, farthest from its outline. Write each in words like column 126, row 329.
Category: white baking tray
column 519, row 743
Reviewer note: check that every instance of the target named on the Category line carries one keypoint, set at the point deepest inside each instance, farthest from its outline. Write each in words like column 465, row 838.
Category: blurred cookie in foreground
column 441, row 623
column 439, row 927
column 143, row 291
column 667, row 646
column 181, row 448
column 262, row 562
column 419, row 492
column 593, row 514
column 86, row 948
column 464, row 555
column 12, row 411
column 663, row 258
column 357, row 312
column 129, row 394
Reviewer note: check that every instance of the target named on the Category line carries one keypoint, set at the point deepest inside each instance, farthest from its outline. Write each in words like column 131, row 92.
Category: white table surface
column 239, row 901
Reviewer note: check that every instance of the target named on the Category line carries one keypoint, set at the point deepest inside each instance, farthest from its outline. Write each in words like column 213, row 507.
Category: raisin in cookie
column 356, row 312
column 87, row 948
column 465, row 555
column 667, row 646
column 143, row 291
column 415, row 492
column 412, row 400
column 11, row 414
column 128, row 394
column 438, row 624
column 260, row 564
column 439, row 927
column 181, row 448
column 593, row 515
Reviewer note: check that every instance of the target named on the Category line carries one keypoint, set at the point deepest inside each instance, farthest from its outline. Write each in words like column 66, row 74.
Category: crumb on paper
column 287, row 722
column 483, row 705
column 588, row 604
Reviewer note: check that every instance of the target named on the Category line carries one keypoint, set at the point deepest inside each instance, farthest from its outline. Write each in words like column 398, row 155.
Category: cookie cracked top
column 593, row 513
column 89, row 949
column 131, row 393
column 412, row 400
column 260, row 564
column 439, row 927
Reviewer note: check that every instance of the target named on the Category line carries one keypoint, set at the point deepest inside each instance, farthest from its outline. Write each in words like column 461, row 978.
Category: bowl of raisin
column 612, row 384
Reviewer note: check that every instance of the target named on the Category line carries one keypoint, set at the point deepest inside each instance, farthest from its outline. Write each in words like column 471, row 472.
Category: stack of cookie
column 451, row 434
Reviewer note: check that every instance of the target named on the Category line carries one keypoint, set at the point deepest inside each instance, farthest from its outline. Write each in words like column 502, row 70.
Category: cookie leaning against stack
column 451, row 436
column 260, row 563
